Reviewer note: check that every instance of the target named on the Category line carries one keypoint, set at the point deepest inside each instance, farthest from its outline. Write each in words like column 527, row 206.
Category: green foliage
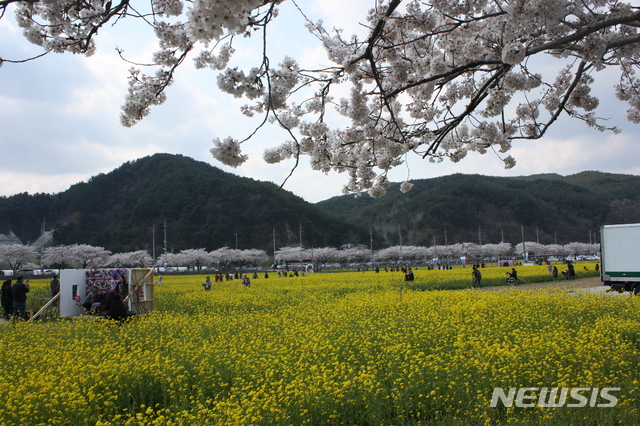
column 202, row 206
column 561, row 209
column 205, row 207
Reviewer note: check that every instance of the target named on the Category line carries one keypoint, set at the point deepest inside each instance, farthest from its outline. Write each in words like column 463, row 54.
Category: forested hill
column 203, row 207
column 549, row 208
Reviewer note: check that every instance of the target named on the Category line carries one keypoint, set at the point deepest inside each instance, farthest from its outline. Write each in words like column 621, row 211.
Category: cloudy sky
column 59, row 115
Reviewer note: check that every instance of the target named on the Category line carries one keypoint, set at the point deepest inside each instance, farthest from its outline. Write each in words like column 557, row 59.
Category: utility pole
column 154, row 245
column 274, row 245
column 480, row 243
column 371, row 241
column 300, row 245
column 236, row 234
column 43, row 240
column 445, row 237
column 435, row 247
column 537, row 236
column 165, row 237
column 524, row 250
column 400, row 238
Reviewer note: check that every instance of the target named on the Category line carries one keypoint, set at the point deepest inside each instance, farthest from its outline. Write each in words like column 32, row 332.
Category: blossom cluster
column 431, row 59
column 210, row 19
column 438, row 78
column 228, row 152
column 144, row 91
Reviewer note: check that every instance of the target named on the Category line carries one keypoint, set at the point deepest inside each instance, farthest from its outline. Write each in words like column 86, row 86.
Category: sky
column 59, row 115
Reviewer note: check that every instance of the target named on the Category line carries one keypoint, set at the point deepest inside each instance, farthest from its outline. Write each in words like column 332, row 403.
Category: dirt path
column 558, row 285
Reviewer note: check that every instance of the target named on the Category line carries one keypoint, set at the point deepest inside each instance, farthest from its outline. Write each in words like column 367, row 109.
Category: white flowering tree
column 81, row 256
column 577, row 248
column 15, row 256
column 325, row 255
column 496, row 250
column 437, row 78
column 196, row 258
column 292, row 253
column 472, row 250
column 254, row 256
column 132, row 259
column 554, row 249
column 225, row 256
column 57, row 256
column 414, row 252
column 354, row 254
column 84, row 256
column 530, row 247
column 168, row 260
column 388, row 254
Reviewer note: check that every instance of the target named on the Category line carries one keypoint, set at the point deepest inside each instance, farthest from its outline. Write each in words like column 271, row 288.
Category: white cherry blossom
column 435, row 78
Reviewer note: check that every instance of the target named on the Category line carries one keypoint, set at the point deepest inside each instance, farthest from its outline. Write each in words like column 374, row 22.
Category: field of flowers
column 340, row 348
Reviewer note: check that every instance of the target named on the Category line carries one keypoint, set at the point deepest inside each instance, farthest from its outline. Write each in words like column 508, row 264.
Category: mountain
column 203, row 207
column 547, row 208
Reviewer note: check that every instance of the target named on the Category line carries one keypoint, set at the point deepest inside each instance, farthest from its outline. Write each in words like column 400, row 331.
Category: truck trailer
column 620, row 257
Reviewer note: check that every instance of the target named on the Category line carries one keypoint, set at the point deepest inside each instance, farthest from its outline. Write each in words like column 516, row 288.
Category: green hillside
column 203, row 207
column 548, row 208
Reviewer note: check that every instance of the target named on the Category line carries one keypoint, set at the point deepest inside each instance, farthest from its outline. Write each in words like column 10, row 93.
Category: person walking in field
column 7, row 299
column 554, row 273
column 207, row 284
column 477, row 277
column 572, row 271
column 20, row 290
column 54, row 288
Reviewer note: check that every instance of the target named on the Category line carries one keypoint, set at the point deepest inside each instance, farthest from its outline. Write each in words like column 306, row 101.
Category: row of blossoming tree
column 362, row 254
column 437, row 78
column 82, row 256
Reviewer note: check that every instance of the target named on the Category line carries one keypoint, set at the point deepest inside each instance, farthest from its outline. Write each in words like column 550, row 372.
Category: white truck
column 620, row 257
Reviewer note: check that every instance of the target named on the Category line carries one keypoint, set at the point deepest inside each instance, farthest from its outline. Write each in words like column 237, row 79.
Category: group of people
column 235, row 276
column 108, row 303
column 408, row 274
column 246, row 282
column 285, row 274
column 570, row 272
column 14, row 298
column 512, row 277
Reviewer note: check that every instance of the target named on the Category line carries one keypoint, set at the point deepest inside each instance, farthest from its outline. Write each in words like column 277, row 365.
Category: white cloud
column 19, row 182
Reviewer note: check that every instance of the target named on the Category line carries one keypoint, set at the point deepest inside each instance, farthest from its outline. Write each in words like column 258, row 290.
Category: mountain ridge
column 205, row 207
column 554, row 207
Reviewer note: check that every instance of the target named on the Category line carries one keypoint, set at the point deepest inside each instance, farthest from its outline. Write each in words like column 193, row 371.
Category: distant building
column 9, row 239
column 44, row 240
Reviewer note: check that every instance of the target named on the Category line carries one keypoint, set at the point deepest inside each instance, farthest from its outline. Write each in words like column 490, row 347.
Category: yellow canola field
column 340, row 348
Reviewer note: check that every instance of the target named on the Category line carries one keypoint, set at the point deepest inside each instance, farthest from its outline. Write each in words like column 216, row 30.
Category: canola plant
column 328, row 348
